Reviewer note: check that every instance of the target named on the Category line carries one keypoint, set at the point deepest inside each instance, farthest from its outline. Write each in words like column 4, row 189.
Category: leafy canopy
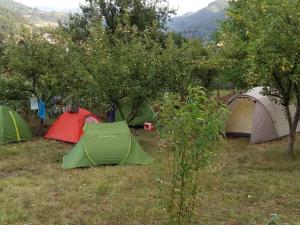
column 34, row 67
column 116, row 14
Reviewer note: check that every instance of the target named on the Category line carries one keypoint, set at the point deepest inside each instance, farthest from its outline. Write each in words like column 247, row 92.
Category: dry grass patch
column 245, row 185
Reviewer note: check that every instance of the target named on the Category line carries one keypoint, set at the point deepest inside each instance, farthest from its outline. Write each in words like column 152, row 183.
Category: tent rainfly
column 106, row 144
column 258, row 116
column 12, row 127
column 69, row 126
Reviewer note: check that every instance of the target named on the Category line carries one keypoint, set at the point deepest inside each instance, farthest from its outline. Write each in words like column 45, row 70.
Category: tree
column 188, row 63
column 261, row 42
column 137, row 68
column 206, row 66
column 115, row 14
column 192, row 128
column 112, row 72
column 34, row 67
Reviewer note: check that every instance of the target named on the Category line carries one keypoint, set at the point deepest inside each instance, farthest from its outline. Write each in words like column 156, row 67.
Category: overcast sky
column 183, row 6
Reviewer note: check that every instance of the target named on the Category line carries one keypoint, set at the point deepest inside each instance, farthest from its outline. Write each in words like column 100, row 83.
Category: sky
column 183, row 6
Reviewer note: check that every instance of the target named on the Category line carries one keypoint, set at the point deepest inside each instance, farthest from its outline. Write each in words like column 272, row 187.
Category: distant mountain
column 32, row 16
column 58, row 10
column 202, row 23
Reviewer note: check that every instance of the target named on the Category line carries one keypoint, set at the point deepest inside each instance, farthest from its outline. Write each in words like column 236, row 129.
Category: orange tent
column 69, row 126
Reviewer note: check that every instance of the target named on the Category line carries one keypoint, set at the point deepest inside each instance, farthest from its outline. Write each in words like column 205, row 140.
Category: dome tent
column 12, row 127
column 69, row 126
column 106, row 144
column 257, row 116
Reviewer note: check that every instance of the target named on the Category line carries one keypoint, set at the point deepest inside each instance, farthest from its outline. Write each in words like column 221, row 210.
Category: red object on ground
column 149, row 127
column 69, row 126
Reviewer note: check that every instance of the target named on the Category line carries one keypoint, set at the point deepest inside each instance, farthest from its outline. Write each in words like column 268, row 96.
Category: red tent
column 69, row 126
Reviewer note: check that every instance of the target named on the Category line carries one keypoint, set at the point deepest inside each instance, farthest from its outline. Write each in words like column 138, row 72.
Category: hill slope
column 9, row 22
column 31, row 15
column 202, row 23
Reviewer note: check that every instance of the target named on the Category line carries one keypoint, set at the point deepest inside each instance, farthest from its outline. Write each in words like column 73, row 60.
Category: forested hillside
column 202, row 23
column 9, row 22
column 12, row 12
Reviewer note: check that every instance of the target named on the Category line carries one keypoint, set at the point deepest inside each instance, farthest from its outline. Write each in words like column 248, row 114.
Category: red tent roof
column 69, row 126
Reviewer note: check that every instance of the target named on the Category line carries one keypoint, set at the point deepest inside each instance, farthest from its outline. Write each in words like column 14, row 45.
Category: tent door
column 240, row 121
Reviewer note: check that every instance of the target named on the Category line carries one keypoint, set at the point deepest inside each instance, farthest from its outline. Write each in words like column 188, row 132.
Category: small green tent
column 106, row 144
column 12, row 127
column 145, row 114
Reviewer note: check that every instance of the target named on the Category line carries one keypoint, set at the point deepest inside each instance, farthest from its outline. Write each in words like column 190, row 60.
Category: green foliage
column 260, row 40
column 118, row 44
column 95, row 63
column 33, row 67
column 112, row 72
column 191, row 62
column 192, row 128
column 115, row 15
column 137, row 68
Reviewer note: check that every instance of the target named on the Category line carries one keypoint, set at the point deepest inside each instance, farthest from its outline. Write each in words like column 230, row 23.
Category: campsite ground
column 246, row 185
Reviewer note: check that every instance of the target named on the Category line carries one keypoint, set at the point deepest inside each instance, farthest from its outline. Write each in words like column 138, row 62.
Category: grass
column 246, row 185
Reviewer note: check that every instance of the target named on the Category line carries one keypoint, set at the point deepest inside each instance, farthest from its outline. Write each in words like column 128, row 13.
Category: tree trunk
column 293, row 124
column 292, row 134
column 41, row 127
column 292, row 139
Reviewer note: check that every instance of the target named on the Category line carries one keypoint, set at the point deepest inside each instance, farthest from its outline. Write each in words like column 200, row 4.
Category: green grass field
column 246, row 185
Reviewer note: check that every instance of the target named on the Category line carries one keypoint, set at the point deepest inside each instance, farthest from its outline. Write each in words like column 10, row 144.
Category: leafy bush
column 192, row 128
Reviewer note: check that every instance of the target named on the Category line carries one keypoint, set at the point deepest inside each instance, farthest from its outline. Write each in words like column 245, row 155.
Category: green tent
column 106, row 144
column 145, row 114
column 12, row 127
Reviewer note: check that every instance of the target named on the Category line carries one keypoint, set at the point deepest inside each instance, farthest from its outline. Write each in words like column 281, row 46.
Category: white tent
column 258, row 116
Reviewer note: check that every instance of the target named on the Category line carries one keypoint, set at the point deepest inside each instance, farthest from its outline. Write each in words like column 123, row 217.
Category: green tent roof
column 145, row 114
column 106, row 144
column 12, row 127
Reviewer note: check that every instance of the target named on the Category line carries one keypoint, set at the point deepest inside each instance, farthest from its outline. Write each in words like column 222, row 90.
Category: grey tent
column 258, row 116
